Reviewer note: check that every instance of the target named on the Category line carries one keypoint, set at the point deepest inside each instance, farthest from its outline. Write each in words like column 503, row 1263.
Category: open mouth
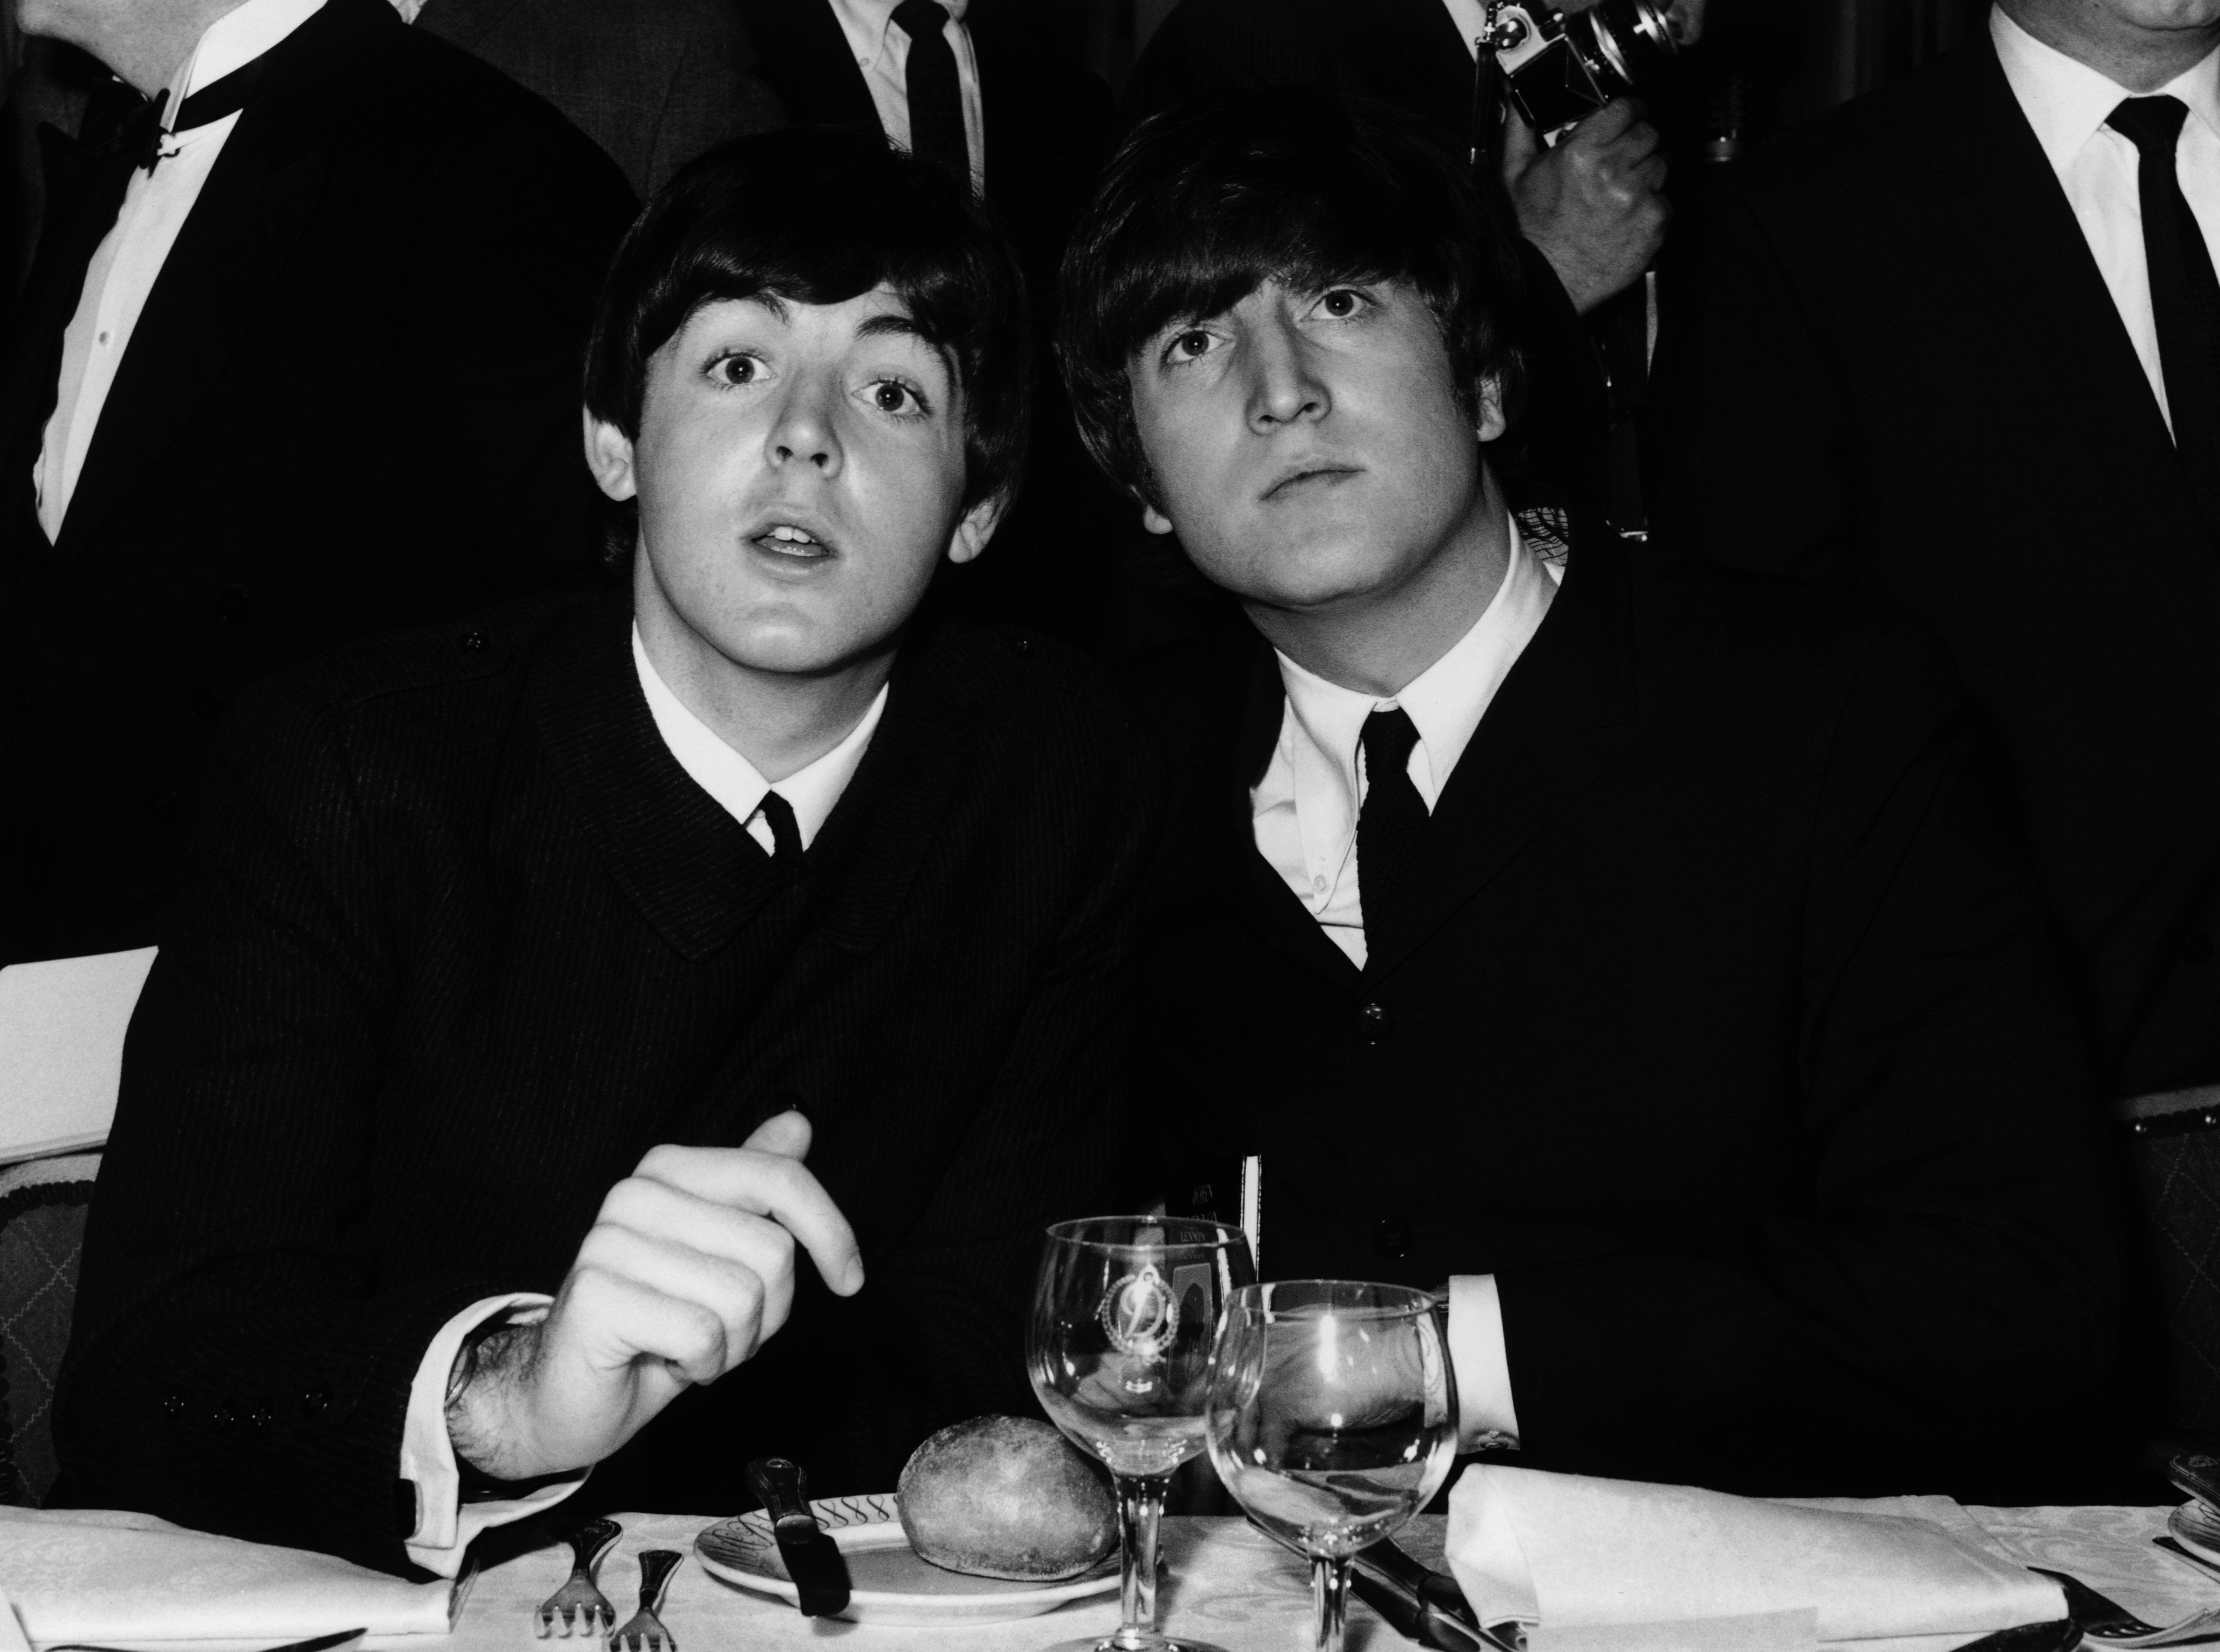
column 796, row 543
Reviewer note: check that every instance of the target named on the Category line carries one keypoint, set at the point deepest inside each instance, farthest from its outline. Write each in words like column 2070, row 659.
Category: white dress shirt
column 882, row 49
column 126, row 262
column 1305, row 813
column 2067, row 103
column 445, row 1525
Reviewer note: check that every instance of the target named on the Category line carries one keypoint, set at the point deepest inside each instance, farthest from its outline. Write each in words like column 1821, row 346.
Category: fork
column 645, row 1628
column 579, row 1596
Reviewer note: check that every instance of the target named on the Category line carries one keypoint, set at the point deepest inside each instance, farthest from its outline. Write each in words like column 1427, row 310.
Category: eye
column 1342, row 303
column 892, row 396
column 1190, row 344
column 735, row 369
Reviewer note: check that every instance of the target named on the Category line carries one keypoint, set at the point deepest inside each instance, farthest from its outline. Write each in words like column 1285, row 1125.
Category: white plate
column 2197, row 1529
column 889, row 1583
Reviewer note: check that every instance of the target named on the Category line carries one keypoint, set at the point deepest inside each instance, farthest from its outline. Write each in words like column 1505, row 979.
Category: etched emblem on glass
column 1140, row 1315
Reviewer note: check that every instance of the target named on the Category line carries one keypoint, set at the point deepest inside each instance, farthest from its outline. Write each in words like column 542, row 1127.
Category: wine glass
column 1333, row 1420
column 1124, row 1312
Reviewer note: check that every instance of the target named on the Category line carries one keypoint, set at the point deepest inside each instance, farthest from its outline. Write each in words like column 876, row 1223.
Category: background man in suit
column 1636, row 954
column 1959, row 348
column 985, row 86
column 654, row 81
column 739, row 864
column 296, row 363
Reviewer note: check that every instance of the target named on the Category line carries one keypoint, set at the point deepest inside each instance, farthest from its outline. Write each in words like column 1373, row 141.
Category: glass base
column 1115, row 1642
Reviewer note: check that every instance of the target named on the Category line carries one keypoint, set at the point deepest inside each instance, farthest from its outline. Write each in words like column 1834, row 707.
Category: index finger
column 768, row 1184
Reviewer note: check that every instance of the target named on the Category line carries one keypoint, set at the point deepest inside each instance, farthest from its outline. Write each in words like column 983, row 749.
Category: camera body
column 1556, row 68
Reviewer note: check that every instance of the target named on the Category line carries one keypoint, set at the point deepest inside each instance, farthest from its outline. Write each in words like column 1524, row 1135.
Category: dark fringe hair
column 1206, row 202
column 818, row 215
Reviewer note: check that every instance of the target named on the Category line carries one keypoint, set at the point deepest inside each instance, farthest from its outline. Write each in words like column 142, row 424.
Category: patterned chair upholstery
column 42, row 1210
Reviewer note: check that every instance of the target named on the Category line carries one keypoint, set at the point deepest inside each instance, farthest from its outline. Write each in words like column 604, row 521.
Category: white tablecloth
column 1227, row 1584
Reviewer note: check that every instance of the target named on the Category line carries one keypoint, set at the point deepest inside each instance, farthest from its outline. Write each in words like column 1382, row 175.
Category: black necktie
column 778, row 815
column 936, row 101
column 1393, row 815
column 2184, row 294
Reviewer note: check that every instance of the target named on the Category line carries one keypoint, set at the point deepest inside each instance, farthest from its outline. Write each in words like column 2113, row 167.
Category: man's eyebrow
column 889, row 323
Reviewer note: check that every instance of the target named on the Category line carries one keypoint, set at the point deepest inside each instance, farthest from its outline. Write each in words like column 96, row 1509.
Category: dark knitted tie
column 936, row 101
column 2184, row 294
column 1393, row 815
column 778, row 815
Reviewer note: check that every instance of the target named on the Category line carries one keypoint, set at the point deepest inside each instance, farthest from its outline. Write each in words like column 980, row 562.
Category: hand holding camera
column 1592, row 203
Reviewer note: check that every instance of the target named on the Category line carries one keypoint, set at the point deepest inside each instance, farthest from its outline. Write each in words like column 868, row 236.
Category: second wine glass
column 1333, row 1420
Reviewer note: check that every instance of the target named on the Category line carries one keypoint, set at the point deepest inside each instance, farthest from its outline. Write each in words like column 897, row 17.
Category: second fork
column 644, row 1630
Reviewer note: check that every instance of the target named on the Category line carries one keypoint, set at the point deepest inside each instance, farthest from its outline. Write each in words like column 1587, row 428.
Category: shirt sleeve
column 1486, row 1416
column 445, row 1524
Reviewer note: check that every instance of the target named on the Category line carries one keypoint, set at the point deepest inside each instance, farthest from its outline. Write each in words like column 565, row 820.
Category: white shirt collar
column 730, row 778
column 2066, row 101
column 1445, row 701
column 865, row 23
column 232, row 41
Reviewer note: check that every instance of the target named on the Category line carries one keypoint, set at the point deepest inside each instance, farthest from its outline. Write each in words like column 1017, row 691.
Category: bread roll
column 1007, row 1497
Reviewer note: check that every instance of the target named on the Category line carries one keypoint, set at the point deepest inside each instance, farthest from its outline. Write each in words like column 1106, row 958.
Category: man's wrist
column 489, row 1369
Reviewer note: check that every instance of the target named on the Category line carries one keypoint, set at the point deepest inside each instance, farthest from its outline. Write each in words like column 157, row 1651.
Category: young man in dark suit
column 992, row 88
column 1959, row 350
column 525, row 958
column 295, row 365
column 1634, row 953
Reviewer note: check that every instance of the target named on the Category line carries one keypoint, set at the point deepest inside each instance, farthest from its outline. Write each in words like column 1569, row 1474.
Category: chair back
column 61, row 1049
column 42, row 1210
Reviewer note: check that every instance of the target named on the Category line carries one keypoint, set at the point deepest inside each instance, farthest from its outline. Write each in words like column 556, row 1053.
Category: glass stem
column 1329, row 1595
column 1140, row 1505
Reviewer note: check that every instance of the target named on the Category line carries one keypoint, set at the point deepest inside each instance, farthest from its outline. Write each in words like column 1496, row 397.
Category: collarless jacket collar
column 1566, row 707
column 691, row 870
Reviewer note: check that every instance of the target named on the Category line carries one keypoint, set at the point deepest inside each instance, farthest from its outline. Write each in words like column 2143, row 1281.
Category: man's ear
column 976, row 527
column 1488, row 402
column 608, row 456
column 1154, row 519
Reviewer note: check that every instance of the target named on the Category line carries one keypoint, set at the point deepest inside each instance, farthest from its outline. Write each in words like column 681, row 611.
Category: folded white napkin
column 76, row 1574
column 1571, row 1553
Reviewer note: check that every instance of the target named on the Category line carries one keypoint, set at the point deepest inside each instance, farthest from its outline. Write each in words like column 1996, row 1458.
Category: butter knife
column 813, row 1561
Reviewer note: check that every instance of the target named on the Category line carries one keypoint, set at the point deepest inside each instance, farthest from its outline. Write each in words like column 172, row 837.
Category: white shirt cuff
column 444, row 1526
column 1485, row 1414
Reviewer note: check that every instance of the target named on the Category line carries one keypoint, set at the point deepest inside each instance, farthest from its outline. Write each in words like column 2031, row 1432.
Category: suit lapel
column 1246, row 722
column 693, row 871
column 2042, row 269
column 801, row 52
column 233, row 249
column 465, row 22
column 1565, row 710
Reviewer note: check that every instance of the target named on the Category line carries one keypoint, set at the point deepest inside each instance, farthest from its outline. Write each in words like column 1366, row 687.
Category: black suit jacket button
column 225, row 1417
column 173, row 1404
column 1392, row 1238
column 314, row 1402
column 234, row 606
column 472, row 642
column 260, row 1419
column 167, row 804
column 1374, row 1022
column 2194, row 948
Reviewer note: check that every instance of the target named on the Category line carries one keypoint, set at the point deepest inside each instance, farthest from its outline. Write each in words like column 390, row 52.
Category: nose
column 805, row 431
column 1284, row 387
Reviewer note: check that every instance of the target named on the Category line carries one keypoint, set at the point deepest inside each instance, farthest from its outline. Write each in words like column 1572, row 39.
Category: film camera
column 1556, row 68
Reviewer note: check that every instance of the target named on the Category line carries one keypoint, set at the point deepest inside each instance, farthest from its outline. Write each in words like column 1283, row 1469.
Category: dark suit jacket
column 351, row 403
column 1048, row 131
column 654, row 81
column 1910, row 379
column 462, row 941
column 1407, row 54
column 1712, row 1019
